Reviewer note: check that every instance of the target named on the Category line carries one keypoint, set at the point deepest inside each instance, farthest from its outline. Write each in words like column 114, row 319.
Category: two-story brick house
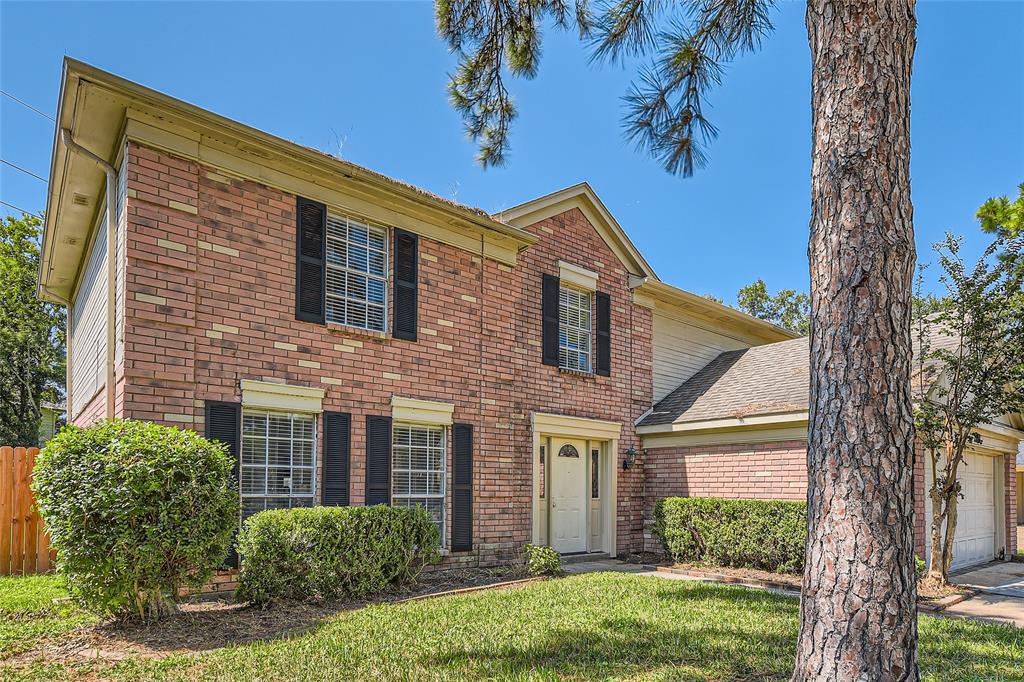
column 356, row 340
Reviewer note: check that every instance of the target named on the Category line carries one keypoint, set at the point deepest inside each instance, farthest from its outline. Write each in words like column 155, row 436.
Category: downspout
column 69, row 142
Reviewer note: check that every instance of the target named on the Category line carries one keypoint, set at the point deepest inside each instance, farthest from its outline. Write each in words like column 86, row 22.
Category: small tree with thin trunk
column 970, row 372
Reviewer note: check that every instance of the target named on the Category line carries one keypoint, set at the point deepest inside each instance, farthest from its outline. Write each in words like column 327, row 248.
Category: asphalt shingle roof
column 761, row 380
column 758, row 380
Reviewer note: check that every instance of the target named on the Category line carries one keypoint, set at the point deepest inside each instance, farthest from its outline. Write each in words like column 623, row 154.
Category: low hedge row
column 767, row 535
column 330, row 552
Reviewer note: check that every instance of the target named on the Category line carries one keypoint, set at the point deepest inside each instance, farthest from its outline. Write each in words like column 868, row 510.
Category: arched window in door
column 568, row 450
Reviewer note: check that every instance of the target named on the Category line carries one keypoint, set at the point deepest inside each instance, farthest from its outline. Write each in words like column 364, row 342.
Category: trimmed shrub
column 330, row 552
column 543, row 561
column 920, row 567
column 135, row 511
column 767, row 535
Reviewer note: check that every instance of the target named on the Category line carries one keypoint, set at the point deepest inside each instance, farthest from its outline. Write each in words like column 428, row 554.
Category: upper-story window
column 357, row 266
column 574, row 328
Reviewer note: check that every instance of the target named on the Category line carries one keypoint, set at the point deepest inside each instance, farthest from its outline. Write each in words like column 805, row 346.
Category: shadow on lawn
column 628, row 646
column 207, row 625
column 725, row 648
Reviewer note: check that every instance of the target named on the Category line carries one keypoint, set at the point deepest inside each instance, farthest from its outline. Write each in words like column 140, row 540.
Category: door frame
column 596, row 433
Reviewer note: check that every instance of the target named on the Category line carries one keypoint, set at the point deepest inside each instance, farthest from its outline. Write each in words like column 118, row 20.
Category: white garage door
column 975, row 538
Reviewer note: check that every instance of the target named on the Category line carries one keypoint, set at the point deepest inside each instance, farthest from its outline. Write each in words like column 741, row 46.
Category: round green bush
column 136, row 511
column 543, row 561
column 330, row 552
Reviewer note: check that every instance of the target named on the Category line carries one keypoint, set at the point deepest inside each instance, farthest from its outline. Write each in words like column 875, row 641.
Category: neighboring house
column 357, row 340
column 738, row 428
column 50, row 422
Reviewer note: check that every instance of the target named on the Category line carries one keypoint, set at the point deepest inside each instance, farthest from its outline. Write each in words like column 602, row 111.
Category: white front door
column 568, row 496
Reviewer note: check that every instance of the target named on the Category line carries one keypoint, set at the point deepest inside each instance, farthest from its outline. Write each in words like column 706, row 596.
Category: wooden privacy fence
column 24, row 545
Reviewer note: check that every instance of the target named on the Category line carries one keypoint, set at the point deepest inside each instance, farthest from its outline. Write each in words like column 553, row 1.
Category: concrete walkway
column 990, row 608
column 1005, row 578
column 987, row 606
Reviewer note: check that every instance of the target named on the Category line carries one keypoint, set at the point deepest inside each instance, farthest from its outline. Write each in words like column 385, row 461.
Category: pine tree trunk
column 858, row 615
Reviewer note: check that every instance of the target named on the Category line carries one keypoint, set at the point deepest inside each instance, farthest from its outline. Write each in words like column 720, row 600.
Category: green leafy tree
column 786, row 308
column 861, row 420
column 791, row 309
column 1001, row 216
column 970, row 371
column 32, row 335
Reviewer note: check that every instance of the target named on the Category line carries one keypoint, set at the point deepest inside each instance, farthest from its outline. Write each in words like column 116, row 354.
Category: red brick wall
column 754, row 471
column 776, row 471
column 1010, row 503
column 921, row 484
column 210, row 301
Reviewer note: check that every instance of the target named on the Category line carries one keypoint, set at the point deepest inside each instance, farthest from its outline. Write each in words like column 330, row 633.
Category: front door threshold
column 582, row 557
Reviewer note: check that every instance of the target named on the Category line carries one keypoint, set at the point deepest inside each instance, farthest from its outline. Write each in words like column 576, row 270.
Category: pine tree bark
column 858, row 615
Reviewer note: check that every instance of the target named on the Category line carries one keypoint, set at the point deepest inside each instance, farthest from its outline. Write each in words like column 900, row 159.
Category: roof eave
column 672, row 295
column 789, row 418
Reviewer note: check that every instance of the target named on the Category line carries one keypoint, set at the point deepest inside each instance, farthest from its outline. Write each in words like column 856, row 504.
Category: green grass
column 588, row 627
column 28, row 612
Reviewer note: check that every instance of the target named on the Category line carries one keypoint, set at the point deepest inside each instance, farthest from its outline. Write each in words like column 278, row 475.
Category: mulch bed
column 929, row 598
column 207, row 624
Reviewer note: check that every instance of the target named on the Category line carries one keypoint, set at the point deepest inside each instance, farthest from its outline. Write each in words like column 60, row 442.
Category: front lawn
column 593, row 626
column 29, row 613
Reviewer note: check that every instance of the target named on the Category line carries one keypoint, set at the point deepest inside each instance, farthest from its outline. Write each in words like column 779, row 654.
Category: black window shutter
column 337, row 443
column 404, row 304
column 378, row 460
column 224, row 424
column 310, row 260
column 462, row 487
column 604, row 333
column 549, row 316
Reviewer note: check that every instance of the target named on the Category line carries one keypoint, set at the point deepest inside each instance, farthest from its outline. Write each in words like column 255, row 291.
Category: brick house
column 356, row 340
column 738, row 428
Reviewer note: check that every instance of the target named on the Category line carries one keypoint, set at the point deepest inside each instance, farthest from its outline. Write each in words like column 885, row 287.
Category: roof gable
column 582, row 197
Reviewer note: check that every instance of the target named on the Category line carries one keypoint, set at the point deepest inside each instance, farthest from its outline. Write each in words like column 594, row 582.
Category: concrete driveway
column 1001, row 598
column 1004, row 578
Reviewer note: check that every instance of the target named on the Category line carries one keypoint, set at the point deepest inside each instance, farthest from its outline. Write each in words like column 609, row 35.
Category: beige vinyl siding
column 682, row 346
column 89, row 325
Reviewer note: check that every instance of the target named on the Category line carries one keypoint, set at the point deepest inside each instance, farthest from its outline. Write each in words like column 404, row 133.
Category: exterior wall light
column 629, row 460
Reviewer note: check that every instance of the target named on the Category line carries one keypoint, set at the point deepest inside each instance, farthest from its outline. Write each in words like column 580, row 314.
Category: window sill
column 359, row 332
column 576, row 373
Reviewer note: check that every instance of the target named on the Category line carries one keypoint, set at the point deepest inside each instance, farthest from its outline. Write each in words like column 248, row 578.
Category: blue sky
column 367, row 80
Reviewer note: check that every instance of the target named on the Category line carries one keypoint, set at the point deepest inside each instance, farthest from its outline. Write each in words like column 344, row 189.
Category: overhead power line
column 26, row 172
column 27, row 105
column 38, row 215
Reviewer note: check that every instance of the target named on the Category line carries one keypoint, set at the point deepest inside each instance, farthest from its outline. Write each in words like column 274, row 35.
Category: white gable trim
column 583, row 197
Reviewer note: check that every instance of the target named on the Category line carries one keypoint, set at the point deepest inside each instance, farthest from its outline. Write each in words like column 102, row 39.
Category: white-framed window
column 574, row 328
column 357, row 280
column 278, row 465
column 419, row 456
